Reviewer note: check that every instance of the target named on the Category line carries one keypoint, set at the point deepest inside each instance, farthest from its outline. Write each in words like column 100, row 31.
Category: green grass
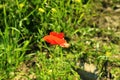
column 25, row 55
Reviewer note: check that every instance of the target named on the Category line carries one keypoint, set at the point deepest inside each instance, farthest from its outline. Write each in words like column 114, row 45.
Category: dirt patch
column 108, row 15
column 23, row 73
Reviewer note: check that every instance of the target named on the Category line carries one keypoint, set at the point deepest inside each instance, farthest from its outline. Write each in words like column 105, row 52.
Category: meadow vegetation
column 91, row 27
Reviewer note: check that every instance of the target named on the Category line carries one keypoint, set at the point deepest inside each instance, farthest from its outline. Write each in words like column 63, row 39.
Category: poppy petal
column 54, row 40
column 49, row 39
column 59, row 35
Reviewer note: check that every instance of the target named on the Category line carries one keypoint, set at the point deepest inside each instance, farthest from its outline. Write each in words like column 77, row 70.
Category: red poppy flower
column 56, row 39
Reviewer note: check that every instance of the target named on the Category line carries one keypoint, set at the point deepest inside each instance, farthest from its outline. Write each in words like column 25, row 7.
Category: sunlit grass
column 25, row 55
